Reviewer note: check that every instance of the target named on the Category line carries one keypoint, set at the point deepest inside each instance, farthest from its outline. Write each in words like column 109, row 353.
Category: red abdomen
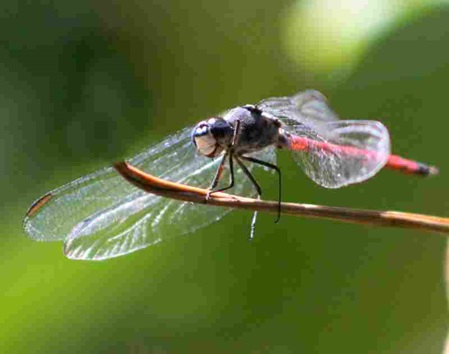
column 394, row 162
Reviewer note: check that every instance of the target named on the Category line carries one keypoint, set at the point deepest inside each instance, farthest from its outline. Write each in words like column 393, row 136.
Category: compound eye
column 211, row 122
column 203, row 139
column 201, row 129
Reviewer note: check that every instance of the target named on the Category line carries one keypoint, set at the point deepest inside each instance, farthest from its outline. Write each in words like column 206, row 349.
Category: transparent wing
column 102, row 216
column 339, row 152
column 307, row 107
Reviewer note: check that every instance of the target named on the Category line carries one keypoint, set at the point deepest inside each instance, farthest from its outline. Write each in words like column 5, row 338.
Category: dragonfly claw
column 209, row 192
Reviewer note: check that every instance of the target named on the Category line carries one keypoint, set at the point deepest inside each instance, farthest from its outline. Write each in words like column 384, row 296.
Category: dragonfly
column 101, row 216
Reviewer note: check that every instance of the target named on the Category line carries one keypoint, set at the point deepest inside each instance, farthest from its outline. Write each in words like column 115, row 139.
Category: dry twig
column 178, row 191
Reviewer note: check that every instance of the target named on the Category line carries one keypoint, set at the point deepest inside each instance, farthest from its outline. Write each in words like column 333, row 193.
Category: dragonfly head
column 211, row 136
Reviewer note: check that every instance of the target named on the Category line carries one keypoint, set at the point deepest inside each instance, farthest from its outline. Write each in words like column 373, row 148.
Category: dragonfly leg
column 221, row 167
column 217, row 176
column 259, row 193
column 278, row 170
column 220, row 170
column 236, row 133
column 248, row 174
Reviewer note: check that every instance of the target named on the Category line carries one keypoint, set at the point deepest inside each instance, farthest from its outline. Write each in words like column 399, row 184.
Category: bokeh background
column 84, row 83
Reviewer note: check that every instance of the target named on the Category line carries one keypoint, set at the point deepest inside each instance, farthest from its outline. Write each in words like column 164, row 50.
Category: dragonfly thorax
column 211, row 136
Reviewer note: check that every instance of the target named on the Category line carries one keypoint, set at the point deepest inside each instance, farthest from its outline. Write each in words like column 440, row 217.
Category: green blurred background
column 84, row 83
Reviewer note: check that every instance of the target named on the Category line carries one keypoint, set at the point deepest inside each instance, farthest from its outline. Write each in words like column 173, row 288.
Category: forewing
column 102, row 216
column 150, row 219
column 54, row 215
column 308, row 107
